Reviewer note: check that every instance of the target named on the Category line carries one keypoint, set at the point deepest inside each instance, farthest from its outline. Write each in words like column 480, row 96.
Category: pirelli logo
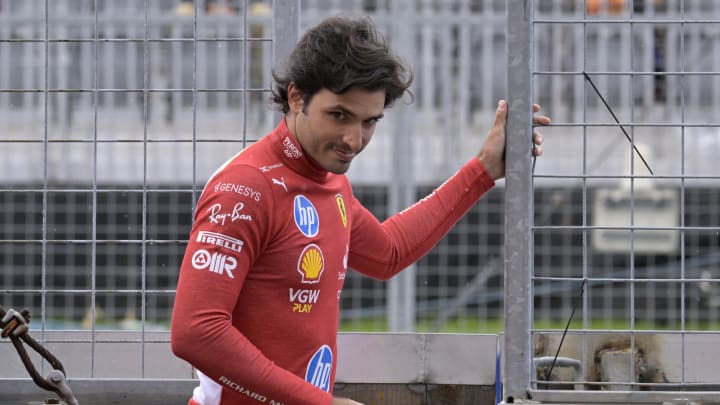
column 218, row 239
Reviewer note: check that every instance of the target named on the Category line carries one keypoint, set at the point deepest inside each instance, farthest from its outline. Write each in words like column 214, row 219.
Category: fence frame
column 518, row 203
column 519, row 382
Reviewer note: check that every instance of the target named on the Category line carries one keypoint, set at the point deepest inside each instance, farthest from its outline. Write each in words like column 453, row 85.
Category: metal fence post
column 286, row 33
column 401, row 193
column 518, row 203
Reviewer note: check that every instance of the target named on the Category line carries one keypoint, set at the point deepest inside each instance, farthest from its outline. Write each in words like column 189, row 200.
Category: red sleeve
column 211, row 279
column 382, row 250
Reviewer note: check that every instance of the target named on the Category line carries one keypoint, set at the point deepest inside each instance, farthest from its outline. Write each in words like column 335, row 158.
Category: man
column 277, row 227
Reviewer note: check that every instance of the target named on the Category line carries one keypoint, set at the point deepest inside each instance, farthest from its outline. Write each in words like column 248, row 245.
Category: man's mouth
column 344, row 155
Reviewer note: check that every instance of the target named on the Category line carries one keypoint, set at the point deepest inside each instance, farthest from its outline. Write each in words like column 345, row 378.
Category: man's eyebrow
column 349, row 113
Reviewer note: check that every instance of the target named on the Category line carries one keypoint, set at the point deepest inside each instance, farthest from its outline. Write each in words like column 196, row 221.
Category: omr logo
column 216, row 262
column 319, row 368
column 311, row 264
column 306, row 216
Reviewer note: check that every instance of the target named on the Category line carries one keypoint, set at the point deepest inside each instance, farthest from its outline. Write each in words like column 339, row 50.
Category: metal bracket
column 14, row 325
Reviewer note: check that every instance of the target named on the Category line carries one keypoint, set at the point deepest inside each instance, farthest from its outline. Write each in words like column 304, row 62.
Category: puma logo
column 280, row 182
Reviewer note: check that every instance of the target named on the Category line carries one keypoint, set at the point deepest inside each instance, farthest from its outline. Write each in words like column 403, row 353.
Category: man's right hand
column 492, row 154
column 344, row 401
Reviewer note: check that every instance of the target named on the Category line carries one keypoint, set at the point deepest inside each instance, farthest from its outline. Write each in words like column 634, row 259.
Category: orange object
column 611, row 6
column 221, row 9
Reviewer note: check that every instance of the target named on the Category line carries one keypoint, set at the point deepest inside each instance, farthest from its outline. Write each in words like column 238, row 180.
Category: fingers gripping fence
column 605, row 302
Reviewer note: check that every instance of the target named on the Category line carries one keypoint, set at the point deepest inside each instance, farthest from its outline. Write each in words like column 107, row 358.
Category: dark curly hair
column 339, row 54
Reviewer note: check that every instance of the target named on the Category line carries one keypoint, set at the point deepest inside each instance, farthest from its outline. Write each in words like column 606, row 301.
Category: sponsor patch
column 345, row 258
column 311, row 264
column 341, row 273
column 341, row 207
column 266, row 169
column 239, row 189
column 216, row 262
column 245, row 391
column 319, row 368
column 280, row 183
column 291, row 150
column 217, row 215
column 306, row 216
column 302, row 300
column 218, row 239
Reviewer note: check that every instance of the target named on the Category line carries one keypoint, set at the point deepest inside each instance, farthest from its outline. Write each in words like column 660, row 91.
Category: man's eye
column 338, row 115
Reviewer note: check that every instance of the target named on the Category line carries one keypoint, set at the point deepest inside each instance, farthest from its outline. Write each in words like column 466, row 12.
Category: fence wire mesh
column 115, row 113
column 624, row 242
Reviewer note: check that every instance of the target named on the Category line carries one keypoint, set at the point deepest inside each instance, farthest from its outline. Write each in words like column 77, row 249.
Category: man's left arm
column 381, row 250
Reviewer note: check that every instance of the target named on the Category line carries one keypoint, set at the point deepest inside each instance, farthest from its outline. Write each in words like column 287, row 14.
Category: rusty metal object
column 14, row 325
column 14, row 322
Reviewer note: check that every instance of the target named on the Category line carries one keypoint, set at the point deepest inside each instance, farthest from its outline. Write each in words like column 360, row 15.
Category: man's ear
column 295, row 99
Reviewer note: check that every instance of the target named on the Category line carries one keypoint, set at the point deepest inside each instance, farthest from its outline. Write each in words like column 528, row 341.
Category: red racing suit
column 256, row 310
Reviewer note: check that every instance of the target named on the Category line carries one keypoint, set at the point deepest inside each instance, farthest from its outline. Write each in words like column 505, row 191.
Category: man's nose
column 353, row 137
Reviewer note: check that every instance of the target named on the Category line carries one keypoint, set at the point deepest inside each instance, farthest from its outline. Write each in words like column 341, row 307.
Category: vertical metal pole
column 46, row 100
column 518, row 203
column 194, row 106
column 93, row 262
column 401, row 193
column 245, row 72
column 683, row 172
column 143, row 246
column 286, row 32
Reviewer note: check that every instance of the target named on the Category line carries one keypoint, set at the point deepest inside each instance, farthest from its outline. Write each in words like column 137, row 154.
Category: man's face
column 334, row 128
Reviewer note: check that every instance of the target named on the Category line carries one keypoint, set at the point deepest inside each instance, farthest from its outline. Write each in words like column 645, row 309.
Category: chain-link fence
column 115, row 113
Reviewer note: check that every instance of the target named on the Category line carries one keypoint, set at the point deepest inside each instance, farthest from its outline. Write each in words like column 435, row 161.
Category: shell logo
column 311, row 264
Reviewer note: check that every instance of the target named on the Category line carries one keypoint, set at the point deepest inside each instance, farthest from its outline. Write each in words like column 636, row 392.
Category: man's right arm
column 217, row 260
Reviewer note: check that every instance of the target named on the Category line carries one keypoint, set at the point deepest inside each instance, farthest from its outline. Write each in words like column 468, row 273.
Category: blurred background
column 114, row 114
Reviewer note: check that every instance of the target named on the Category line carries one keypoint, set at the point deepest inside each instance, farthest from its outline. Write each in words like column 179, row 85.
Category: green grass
column 495, row 325
column 457, row 325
